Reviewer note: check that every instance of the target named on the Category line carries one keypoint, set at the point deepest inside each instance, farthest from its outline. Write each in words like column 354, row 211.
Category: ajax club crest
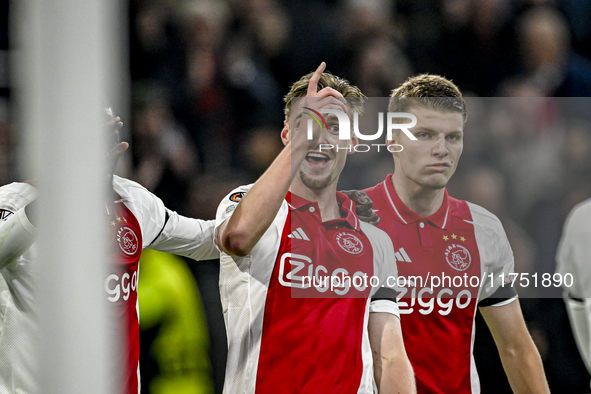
column 458, row 257
column 127, row 240
column 349, row 243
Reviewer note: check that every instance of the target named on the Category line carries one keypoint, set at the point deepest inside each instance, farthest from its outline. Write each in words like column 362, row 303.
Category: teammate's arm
column 187, row 237
column 392, row 370
column 257, row 209
column 363, row 205
column 519, row 355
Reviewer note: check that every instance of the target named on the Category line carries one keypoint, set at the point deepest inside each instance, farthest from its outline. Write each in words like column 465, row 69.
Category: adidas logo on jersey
column 402, row 256
column 4, row 214
column 299, row 234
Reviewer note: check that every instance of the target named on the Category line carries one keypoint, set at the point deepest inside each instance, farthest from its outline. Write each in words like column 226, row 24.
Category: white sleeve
column 496, row 258
column 383, row 297
column 17, row 234
column 166, row 230
column 573, row 257
column 15, row 196
column 229, row 204
column 193, row 238
column 147, row 208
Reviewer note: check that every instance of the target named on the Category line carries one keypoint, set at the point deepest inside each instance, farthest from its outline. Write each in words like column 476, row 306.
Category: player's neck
column 424, row 201
column 326, row 198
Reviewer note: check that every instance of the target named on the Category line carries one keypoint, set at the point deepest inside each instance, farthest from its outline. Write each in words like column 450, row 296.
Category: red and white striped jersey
column 139, row 220
column 286, row 335
column 447, row 264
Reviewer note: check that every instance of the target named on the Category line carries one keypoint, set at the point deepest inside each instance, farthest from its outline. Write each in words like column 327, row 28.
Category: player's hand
column 117, row 151
column 116, row 148
column 115, row 124
column 311, row 105
column 363, row 206
column 114, row 155
column 112, row 159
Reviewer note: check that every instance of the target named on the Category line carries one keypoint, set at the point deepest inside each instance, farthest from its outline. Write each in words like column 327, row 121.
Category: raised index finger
column 313, row 84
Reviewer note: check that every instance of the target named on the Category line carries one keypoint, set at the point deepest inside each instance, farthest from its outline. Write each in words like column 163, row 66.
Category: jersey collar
column 346, row 205
column 439, row 219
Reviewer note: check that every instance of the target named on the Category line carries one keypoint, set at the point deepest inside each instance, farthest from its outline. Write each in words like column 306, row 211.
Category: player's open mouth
column 317, row 159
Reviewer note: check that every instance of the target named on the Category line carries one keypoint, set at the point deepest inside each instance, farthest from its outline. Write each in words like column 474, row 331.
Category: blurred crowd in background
column 207, row 81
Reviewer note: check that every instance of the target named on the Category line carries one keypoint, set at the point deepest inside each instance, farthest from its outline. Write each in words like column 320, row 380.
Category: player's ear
column 285, row 133
column 393, row 144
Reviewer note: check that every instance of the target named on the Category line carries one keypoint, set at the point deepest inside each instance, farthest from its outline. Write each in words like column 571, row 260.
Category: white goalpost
column 62, row 67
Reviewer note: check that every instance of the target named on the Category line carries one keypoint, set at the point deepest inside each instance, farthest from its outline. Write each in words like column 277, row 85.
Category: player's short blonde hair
column 431, row 91
column 350, row 92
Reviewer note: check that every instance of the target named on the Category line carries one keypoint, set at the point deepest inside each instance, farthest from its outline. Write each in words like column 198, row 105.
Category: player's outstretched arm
column 257, row 209
column 187, row 237
column 519, row 355
column 392, row 370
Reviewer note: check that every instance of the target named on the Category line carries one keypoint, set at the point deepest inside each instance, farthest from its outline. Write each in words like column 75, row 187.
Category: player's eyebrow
column 417, row 129
column 422, row 129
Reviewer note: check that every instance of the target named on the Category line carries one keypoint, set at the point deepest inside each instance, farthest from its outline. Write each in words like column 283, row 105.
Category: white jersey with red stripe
column 140, row 220
column 289, row 335
column 448, row 264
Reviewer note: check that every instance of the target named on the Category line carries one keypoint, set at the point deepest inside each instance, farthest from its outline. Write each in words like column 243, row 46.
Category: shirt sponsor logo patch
column 236, row 197
column 349, row 243
column 230, row 208
column 4, row 214
column 458, row 257
column 128, row 241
